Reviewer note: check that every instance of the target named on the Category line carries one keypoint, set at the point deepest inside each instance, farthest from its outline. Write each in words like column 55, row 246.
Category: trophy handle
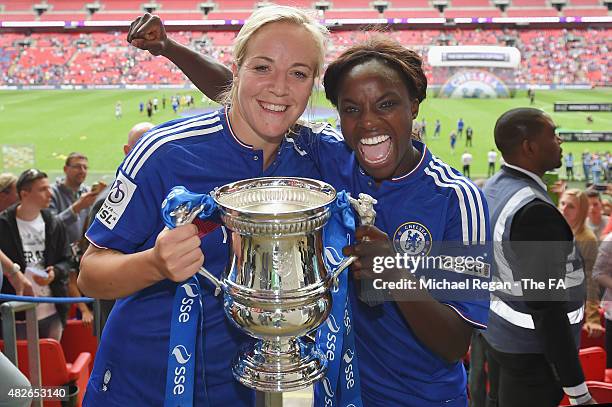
column 219, row 285
column 344, row 264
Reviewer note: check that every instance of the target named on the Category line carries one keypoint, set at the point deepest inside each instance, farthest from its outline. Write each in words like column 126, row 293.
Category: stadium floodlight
column 322, row 5
column 92, row 7
column 502, row 5
column 380, row 5
column 207, row 7
column 558, row 4
column 40, row 8
column 440, row 5
column 150, row 7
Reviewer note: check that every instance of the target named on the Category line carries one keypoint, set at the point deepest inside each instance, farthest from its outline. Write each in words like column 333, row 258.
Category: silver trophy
column 276, row 287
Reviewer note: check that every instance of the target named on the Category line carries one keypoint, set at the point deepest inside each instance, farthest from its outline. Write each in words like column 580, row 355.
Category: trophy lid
column 274, row 196
column 274, row 205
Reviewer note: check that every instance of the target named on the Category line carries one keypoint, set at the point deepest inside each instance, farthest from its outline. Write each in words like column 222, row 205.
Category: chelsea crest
column 413, row 239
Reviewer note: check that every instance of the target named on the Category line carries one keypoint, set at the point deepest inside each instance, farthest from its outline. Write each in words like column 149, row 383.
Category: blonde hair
column 581, row 231
column 276, row 14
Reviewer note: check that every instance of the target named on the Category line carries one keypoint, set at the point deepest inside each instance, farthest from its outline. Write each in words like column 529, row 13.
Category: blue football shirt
column 445, row 214
column 200, row 153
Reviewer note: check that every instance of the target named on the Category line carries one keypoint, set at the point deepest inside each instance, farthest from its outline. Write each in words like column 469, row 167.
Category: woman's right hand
column 177, row 253
column 147, row 32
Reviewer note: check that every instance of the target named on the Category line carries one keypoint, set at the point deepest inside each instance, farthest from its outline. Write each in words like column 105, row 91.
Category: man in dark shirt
column 531, row 337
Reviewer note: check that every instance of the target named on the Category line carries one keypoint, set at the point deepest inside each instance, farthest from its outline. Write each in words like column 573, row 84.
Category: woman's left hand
column 371, row 249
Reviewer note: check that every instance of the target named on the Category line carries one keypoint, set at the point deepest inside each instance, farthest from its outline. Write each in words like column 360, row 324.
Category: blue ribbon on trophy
column 179, row 208
column 335, row 337
column 340, row 387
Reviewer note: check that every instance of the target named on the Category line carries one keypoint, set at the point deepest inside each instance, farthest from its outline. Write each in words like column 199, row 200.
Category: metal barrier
column 9, row 330
column 8, row 310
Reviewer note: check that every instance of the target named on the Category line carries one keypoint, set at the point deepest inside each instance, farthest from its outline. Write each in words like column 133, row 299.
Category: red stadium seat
column 600, row 391
column 608, row 378
column 337, row 14
column 593, row 361
column 54, row 369
column 348, row 4
column 531, row 12
column 18, row 5
column 237, row 5
column 75, row 16
column 18, row 17
column 133, row 5
column 421, row 13
column 65, row 5
column 229, row 15
column 79, row 338
column 481, row 12
column 182, row 5
column 410, row 4
column 585, row 11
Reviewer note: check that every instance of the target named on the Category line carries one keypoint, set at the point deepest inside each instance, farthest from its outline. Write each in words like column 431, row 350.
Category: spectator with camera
column 71, row 201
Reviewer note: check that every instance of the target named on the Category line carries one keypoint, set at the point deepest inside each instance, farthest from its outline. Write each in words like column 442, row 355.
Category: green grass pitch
column 57, row 122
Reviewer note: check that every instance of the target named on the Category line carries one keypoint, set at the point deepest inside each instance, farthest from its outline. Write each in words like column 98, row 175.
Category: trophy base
column 279, row 366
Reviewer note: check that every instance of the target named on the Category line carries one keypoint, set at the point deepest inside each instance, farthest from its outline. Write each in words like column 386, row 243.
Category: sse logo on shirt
column 118, row 198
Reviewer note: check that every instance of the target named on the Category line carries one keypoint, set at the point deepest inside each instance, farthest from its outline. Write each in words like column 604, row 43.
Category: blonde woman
column 574, row 205
column 278, row 55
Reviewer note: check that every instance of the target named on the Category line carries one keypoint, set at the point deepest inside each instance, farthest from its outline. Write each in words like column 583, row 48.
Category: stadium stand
column 412, row 13
column 67, row 5
column 18, row 5
column 471, row 12
column 552, row 56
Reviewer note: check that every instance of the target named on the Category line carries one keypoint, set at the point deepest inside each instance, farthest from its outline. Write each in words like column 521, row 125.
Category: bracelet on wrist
column 15, row 268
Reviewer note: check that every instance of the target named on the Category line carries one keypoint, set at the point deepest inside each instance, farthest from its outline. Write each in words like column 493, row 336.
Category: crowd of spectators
column 548, row 56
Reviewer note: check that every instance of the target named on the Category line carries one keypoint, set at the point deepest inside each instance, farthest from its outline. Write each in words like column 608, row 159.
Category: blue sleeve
column 129, row 219
column 467, row 236
column 332, row 156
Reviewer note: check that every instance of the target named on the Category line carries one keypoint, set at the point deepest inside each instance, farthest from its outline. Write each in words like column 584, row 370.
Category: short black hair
column 516, row 125
column 27, row 178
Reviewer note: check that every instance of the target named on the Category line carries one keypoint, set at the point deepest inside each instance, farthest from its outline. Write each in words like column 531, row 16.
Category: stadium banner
column 474, row 71
column 582, row 107
column 585, row 135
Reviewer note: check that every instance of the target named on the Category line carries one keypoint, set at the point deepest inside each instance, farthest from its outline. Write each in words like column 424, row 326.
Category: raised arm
column 209, row 76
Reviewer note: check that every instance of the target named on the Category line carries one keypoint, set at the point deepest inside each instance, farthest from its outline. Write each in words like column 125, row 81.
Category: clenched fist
column 147, row 32
column 177, row 252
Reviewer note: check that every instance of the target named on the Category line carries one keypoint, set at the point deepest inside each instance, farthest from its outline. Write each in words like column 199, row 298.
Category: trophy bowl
column 277, row 288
